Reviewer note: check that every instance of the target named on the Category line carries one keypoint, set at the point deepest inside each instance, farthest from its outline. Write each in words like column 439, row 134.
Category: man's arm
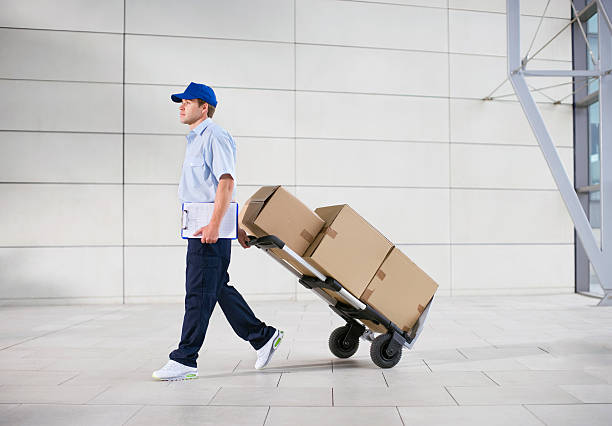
column 225, row 189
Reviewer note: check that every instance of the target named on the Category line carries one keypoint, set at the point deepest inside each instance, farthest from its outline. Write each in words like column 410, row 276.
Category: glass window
column 593, row 136
column 592, row 36
column 594, row 179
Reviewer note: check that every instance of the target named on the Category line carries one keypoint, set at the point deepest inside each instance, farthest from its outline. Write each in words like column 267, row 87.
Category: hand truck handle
column 268, row 241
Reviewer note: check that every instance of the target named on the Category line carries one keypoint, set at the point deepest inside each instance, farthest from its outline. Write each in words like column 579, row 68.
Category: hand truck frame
column 386, row 349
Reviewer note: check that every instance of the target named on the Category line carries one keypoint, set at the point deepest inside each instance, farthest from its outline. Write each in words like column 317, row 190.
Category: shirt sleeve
column 223, row 155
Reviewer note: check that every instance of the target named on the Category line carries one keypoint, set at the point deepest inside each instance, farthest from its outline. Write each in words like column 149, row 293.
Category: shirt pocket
column 196, row 162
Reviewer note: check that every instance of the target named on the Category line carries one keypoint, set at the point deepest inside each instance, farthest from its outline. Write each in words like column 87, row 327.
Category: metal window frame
column 600, row 259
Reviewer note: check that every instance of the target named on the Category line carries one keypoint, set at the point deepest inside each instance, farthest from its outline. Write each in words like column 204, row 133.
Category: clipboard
column 198, row 215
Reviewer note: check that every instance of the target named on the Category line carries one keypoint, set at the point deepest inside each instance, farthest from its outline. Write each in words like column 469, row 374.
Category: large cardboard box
column 272, row 210
column 348, row 249
column 400, row 290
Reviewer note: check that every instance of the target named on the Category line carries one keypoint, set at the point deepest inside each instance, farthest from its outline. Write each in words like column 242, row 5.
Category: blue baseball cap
column 197, row 91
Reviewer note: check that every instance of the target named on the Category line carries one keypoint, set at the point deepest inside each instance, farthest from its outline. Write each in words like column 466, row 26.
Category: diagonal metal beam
column 600, row 260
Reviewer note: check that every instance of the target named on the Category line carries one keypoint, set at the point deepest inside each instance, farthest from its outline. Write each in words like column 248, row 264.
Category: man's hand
column 210, row 234
column 242, row 238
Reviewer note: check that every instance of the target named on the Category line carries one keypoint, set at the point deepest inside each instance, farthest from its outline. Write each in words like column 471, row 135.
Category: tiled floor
column 481, row 360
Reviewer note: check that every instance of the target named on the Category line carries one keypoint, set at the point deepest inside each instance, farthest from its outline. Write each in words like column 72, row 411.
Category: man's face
column 190, row 111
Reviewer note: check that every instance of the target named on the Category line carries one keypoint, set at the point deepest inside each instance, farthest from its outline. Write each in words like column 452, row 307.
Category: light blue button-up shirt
column 210, row 153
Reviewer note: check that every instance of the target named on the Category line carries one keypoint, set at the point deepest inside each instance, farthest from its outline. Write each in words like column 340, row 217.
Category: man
column 208, row 175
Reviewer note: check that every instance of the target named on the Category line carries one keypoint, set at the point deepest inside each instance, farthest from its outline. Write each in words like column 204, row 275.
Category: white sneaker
column 175, row 371
column 264, row 355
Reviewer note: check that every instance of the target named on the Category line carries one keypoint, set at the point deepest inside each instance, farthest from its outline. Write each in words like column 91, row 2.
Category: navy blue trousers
column 205, row 285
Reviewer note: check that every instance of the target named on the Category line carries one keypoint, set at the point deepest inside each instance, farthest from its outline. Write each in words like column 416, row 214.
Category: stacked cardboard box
column 272, row 210
column 341, row 244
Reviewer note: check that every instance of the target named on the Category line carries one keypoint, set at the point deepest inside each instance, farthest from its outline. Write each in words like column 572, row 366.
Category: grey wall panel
column 230, row 63
column 476, row 76
column 403, row 215
column 350, row 69
column 428, row 3
column 155, row 271
column 490, row 166
column 242, row 112
column 514, row 269
column 154, row 158
column 152, row 215
column 371, row 163
column 78, row 15
column 81, row 107
column 61, row 272
column 475, row 121
column 381, row 117
column 467, row 28
column 60, row 157
column 60, row 215
column 237, row 19
column 58, row 55
column 556, row 8
column 148, row 109
column 490, row 217
column 371, row 25
column 265, row 161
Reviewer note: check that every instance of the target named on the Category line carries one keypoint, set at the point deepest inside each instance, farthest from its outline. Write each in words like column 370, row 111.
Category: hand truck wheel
column 342, row 344
column 379, row 354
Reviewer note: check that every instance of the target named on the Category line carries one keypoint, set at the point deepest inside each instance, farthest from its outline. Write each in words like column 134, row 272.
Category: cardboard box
column 272, row 210
column 348, row 249
column 400, row 290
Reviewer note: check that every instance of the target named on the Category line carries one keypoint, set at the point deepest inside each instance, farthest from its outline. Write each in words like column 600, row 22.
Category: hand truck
column 385, row 349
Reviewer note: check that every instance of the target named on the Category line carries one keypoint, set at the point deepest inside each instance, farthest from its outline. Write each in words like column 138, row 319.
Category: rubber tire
column 378, row 355
column 336, row 346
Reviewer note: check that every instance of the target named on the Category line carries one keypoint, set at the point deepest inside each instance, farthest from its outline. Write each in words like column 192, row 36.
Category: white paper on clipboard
column 198, row 215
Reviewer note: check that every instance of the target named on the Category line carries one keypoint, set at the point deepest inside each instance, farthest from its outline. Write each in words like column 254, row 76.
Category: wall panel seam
column 450, row 159
column 449, row 8
column 123, row 160
column 272, row 89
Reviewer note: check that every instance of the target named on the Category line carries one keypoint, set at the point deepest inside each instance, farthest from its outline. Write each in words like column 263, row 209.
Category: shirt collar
column 199, row 129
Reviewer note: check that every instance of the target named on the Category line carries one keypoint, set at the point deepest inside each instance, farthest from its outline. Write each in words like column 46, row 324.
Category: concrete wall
column 360, row 102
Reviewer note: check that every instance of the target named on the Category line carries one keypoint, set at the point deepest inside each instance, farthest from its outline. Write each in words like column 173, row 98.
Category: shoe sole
column 275, row 345
column 189, row 376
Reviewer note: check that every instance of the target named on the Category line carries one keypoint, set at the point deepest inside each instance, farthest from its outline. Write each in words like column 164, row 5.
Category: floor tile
column 189, row 415
column 604, row 373
column 5, row 408
column 480, row 365
column 30, row 394
column 333, row 416
column 469, row 416
column 37, row 378
column 60, row 415
column 511, row 395
column 156, row 393
column 573, row 415
column 339, row 378
column 500, row 352
column 442, row 378
column 254, row 378
column 254, row 396
column 590, row 393
column 422, row 395
column 543, row 377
